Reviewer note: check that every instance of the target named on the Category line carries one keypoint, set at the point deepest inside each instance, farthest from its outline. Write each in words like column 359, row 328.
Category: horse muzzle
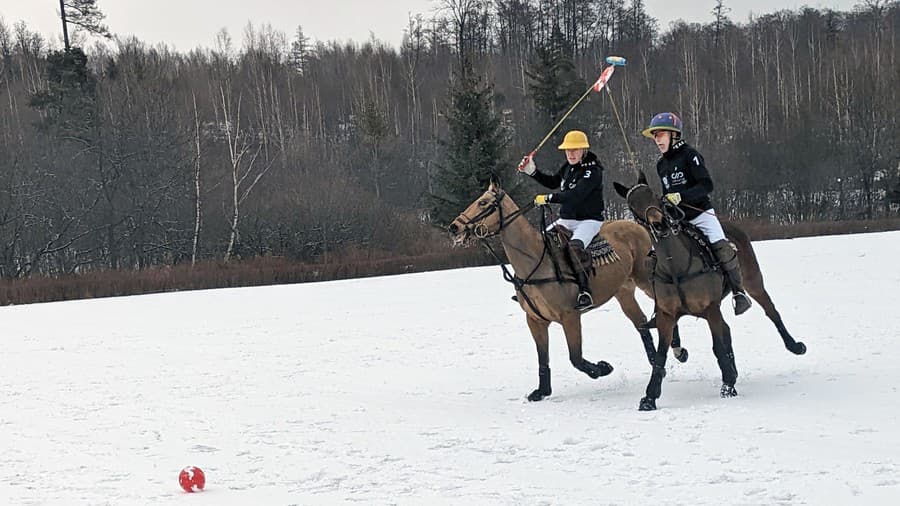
column 458, row 232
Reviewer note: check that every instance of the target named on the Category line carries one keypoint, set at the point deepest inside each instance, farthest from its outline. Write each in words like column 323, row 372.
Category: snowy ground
column 410, row 389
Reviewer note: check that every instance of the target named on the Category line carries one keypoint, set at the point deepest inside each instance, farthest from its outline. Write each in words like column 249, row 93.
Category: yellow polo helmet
column 575, row 139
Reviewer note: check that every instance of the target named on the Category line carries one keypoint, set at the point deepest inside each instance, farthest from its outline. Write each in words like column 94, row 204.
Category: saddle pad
column 602, row 251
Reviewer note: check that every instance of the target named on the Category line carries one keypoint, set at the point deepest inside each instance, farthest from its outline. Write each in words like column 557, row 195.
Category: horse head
column 649, row 208
column 483, row 218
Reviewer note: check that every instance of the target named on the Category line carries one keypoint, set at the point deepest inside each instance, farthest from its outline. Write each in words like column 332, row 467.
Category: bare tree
column 245, row 173
column 198, row 202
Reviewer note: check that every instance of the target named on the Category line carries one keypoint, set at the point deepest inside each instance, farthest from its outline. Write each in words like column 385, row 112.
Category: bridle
column 475, row 225
column 672, row 215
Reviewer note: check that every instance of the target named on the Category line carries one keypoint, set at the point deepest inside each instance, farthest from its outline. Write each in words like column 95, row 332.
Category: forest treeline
column 122, row 155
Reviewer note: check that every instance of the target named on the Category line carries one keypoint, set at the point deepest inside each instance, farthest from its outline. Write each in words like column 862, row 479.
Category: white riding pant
column 585, row 230
column 709, row 224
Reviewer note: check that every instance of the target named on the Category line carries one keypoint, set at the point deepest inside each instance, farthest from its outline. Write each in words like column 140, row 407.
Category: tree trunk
column 197, row 195
column 62, row 13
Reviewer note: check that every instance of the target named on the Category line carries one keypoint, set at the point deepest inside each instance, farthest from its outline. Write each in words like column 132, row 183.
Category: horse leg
column 762, row 297
column 721, row 335
column 753, row 283
column 680, row 353
column 572, row 328
column 633, row 311
column 665, row 326
column 541, row 335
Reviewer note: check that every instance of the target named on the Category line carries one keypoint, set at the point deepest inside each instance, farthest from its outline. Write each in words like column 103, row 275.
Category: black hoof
column 797, row 348
column 650, row 324
column 647, row 404
column 594, row 371
column 728, row 391
column 683, row 356
column 537, row 395
column 604, row 367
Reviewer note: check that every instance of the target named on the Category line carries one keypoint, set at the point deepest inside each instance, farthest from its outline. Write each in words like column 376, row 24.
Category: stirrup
column 740, row 302
column 584, row 301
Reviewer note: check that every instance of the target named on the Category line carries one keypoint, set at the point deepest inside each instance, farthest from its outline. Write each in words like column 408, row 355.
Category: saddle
column 599, row 251
column 706, row 253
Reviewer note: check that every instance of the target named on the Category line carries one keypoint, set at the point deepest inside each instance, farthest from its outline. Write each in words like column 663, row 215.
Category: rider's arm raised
column 550, row 181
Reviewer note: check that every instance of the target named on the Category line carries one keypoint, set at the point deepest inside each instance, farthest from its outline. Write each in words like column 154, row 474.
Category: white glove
column 527, row 165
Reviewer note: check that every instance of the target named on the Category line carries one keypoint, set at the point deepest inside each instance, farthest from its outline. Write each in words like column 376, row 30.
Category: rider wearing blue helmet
column 687, row 184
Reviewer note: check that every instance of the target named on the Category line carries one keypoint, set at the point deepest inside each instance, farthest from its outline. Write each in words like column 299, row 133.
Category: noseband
column 476, row 225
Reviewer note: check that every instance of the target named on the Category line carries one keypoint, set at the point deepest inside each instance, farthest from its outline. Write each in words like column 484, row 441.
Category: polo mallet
column 597, row 86
column 618, row 61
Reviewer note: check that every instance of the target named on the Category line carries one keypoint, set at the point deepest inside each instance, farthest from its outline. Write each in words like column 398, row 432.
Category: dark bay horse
column 541, row 294
column 684, row 285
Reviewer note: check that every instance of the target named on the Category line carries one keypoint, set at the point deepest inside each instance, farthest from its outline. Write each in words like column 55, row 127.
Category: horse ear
column 494, row 182
column 642, row 179
column 620, row 189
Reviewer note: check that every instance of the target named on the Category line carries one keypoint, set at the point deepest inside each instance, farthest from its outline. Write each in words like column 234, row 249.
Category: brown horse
column 548, row 290
column 684, row 284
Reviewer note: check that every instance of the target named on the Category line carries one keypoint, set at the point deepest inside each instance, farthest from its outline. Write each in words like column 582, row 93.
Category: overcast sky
column 186, row 24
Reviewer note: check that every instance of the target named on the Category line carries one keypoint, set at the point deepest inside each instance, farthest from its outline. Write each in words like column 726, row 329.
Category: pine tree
column 475, row 149
column 720, row 12
column 300, row 49
column 554, row 85
column 84, row 14
column 70, row 97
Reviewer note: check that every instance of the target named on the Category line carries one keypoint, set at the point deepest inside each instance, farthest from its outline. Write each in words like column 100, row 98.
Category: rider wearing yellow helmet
column 580, row 195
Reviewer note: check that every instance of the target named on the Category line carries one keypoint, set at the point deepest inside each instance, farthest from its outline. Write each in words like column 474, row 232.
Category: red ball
column 192, row 479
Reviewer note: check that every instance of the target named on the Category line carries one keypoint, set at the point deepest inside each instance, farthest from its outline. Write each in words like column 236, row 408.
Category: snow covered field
column 410, row 389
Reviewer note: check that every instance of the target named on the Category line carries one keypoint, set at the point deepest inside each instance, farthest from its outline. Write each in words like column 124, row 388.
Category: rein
column 673, row 217
column 481, row 232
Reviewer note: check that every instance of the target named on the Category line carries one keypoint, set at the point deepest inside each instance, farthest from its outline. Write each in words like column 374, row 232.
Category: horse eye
column 483, row 202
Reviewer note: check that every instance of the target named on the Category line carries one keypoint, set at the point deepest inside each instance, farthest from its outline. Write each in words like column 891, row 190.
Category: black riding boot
column 581, row 262
column 728, row 258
